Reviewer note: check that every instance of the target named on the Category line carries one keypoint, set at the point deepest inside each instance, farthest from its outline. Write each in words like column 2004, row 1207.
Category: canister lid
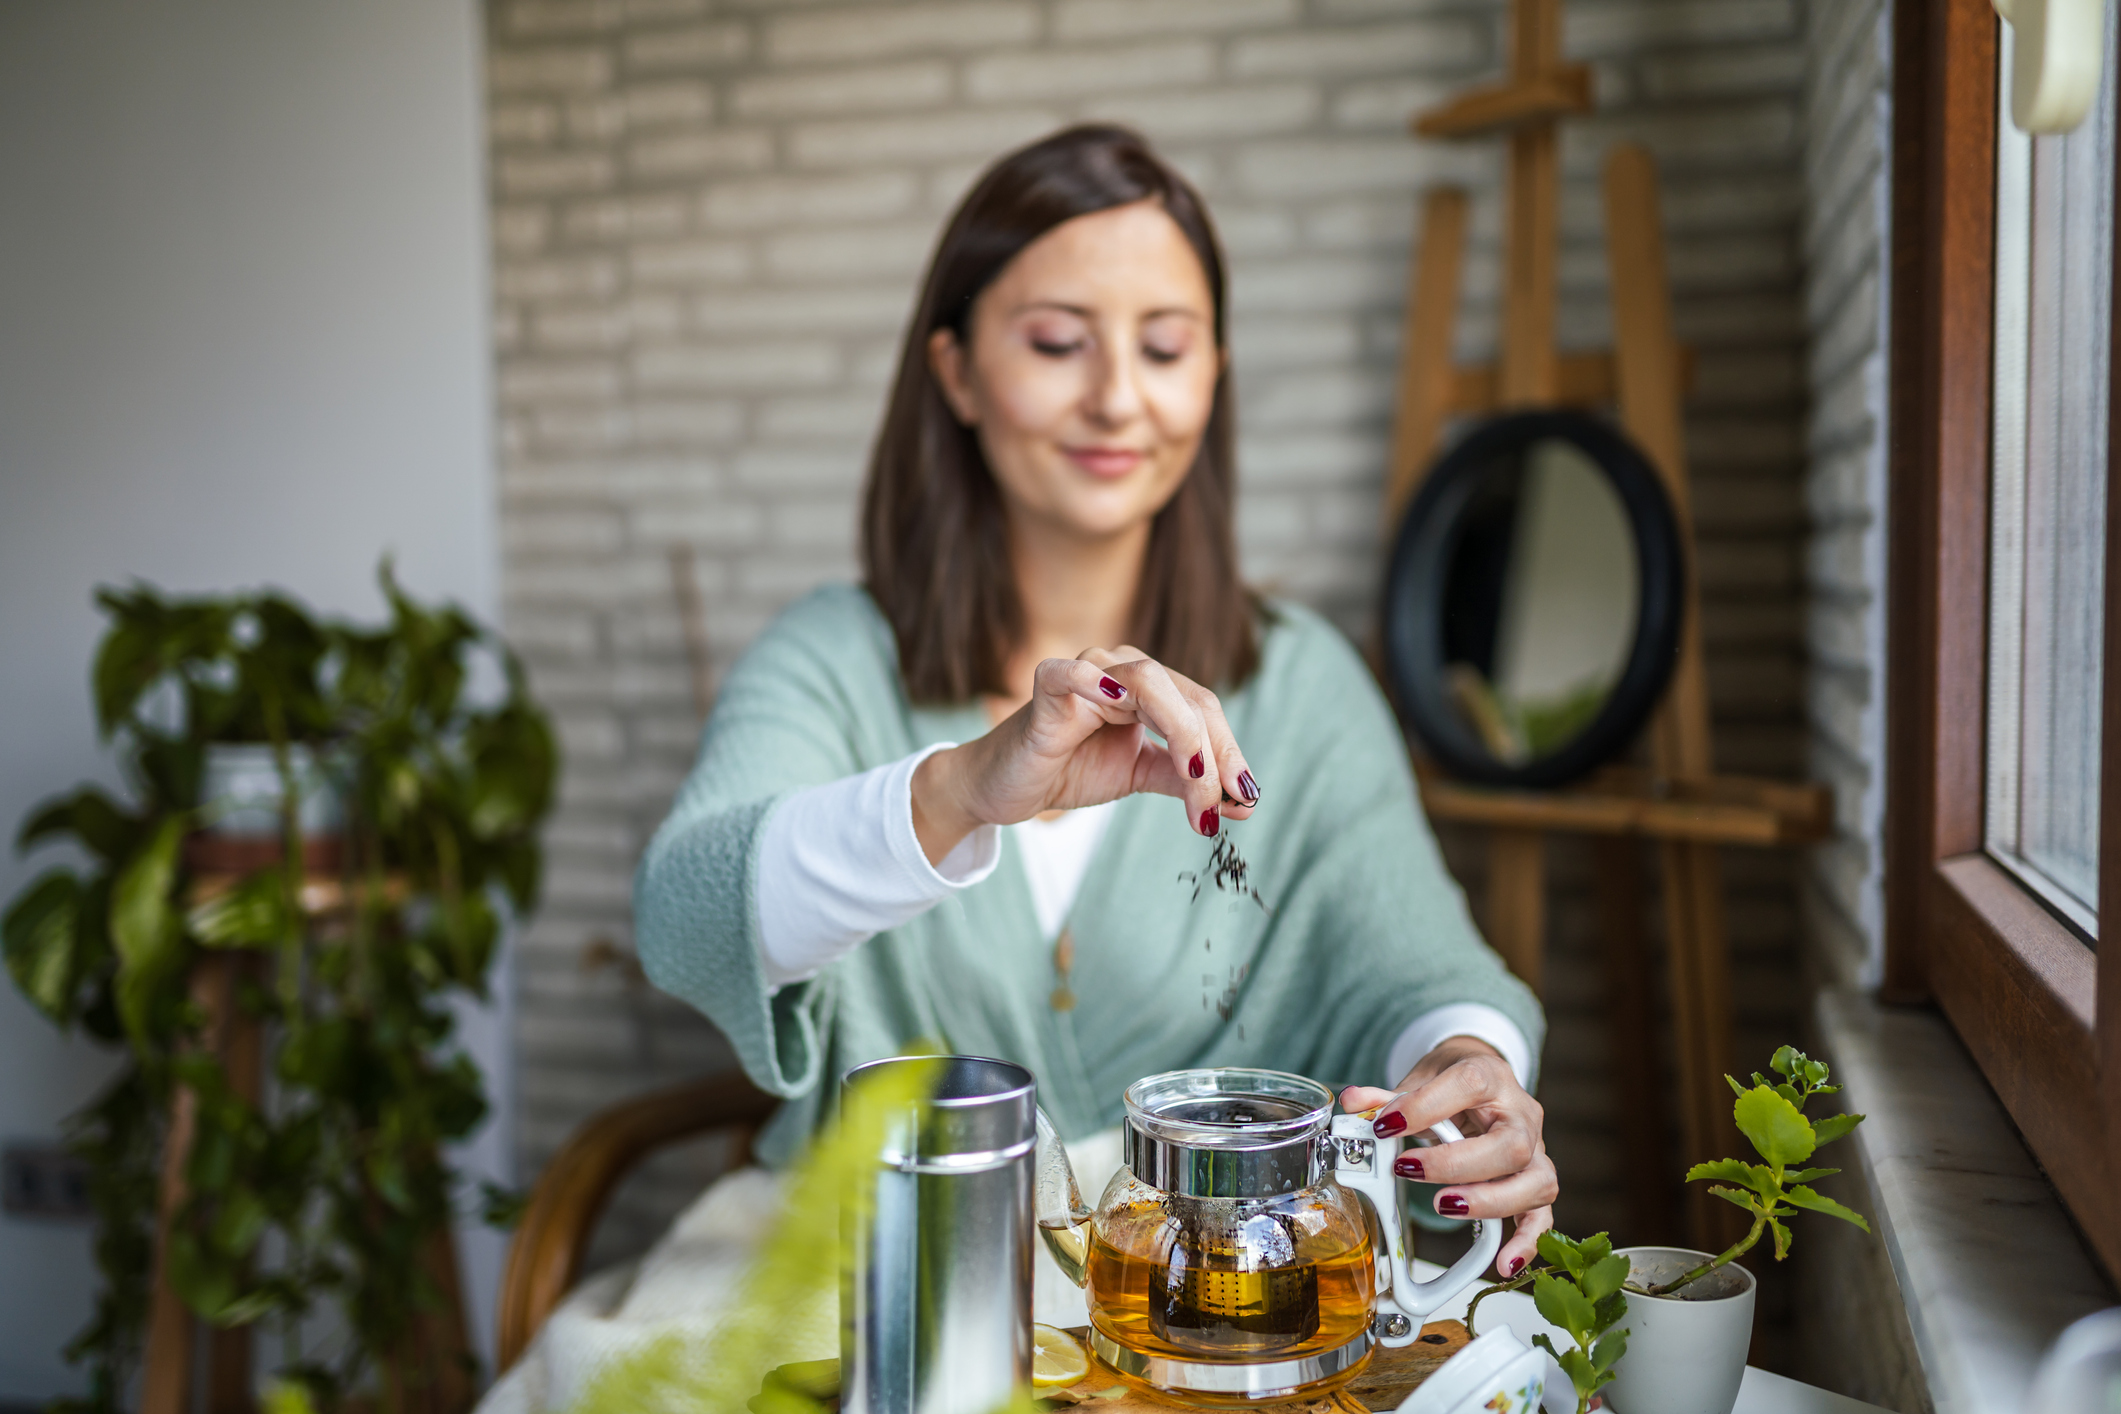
column 1227, row 1132
column 982, row 1113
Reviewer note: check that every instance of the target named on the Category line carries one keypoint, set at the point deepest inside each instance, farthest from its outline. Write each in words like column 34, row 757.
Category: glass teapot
column 1231, row 1259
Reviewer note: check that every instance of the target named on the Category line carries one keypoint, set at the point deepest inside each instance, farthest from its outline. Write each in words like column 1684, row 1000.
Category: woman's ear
column 946, row 359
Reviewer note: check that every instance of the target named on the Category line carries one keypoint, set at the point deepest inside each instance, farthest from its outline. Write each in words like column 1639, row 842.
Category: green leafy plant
column 1580, row 1289
column 1577, row 1279
column 441, row 800
column 1770, row 1114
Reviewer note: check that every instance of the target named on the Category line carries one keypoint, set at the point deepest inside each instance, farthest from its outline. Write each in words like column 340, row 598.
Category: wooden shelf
column 1586, row 378
column 320, row 895
column 1503, row 106
column 1728, row 810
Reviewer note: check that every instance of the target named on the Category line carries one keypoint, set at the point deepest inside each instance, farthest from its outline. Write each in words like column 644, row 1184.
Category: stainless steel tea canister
column 935, row 1297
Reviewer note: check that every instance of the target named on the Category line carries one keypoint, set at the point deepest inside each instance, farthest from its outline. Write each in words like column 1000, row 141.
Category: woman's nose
column 1115, row 394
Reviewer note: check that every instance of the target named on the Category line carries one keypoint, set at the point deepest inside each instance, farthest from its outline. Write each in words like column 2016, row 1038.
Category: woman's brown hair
column 935, row 549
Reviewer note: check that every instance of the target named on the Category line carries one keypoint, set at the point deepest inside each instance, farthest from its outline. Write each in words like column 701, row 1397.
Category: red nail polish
column 1407, row 1166
column 1111, row 689
column 1210, row 823
column 1388, row 1124
column 1516, row 1265
column 1197, row 767
column 1452, row 1206
column 1247, row 787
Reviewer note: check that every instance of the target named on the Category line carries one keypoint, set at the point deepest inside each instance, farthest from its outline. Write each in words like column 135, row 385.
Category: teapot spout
column 1063, row 1221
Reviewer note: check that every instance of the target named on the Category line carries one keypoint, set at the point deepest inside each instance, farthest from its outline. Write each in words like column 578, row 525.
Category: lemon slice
column 1057, row 1358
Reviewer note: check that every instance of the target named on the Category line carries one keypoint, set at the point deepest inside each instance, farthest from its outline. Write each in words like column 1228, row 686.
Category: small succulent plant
column 1582, row 1286
column 1770, row 1114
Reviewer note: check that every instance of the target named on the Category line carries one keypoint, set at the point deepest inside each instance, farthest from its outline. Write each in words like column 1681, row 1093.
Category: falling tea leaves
column 1228, row 872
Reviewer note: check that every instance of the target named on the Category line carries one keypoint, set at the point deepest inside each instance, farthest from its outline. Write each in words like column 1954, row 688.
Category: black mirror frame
column 1414, row 597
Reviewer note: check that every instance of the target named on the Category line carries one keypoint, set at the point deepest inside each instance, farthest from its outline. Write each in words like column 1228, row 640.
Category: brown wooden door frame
column 2041, row 1018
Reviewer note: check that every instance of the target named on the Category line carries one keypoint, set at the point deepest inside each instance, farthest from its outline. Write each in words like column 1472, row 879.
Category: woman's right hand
column 1083, row 739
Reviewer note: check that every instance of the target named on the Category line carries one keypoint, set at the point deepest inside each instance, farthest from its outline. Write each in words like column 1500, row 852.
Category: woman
column 926, row 809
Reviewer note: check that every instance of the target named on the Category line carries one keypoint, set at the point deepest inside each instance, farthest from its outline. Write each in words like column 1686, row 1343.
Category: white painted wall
column 242, row 341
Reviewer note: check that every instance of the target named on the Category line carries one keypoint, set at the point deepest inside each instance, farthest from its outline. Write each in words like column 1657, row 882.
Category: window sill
column 1986, row 1262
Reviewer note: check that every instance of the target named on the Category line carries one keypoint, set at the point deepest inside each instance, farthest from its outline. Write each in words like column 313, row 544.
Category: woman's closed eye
column 1056, row 333
column 1168, row 338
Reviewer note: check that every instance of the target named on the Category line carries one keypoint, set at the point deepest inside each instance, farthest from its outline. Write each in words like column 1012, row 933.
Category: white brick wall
column 708, row 223
column 1848, row 134
column 1840, row 1286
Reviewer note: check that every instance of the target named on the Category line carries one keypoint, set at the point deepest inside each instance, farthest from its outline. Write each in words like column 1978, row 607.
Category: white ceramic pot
column 1496, row 1374
column 242, row 790
column 1686, row 1353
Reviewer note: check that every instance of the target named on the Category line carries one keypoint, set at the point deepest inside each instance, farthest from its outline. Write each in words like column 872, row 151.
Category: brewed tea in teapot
column 1239, row 1253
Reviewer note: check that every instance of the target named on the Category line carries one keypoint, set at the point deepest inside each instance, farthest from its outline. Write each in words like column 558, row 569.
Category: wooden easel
column 1679, row 803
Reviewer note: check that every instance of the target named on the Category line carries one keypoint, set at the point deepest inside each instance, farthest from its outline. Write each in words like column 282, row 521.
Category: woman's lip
column 1105, row 461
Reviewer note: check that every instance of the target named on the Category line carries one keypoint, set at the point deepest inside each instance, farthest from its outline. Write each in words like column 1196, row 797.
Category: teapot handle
column 1363, row 1162
column 1057, row 1205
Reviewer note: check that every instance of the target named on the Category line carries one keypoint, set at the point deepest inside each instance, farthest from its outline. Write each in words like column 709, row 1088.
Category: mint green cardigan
column 1366, row 930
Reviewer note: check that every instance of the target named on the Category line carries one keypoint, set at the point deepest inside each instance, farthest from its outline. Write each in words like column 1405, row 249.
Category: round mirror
column 1532, row 608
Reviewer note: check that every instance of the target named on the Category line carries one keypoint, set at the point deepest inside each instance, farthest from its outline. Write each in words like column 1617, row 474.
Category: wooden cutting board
column 1388, row 1379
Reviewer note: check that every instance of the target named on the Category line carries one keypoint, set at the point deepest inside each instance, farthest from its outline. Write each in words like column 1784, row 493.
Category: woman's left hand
column 1500, row 1169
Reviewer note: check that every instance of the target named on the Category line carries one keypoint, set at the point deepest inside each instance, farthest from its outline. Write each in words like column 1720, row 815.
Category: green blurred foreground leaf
column 800, row 1258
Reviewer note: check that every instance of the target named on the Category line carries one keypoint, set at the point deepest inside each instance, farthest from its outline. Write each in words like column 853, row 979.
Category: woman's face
column 1090, row 371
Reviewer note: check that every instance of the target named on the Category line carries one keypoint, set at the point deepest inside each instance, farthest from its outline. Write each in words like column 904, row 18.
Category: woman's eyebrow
column 1085, row 312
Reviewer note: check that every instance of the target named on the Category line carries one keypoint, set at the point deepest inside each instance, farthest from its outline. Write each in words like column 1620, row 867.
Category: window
column 2054, row 251
column 2003, row 815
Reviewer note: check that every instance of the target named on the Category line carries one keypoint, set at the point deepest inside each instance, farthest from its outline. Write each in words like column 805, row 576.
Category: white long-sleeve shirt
column 840, row 863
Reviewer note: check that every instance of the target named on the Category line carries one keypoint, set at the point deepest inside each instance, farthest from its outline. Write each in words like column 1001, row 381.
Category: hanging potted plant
column 323, row 832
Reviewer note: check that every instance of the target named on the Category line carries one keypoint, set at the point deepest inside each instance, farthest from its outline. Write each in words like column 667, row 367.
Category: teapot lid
column 1228, row 1132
